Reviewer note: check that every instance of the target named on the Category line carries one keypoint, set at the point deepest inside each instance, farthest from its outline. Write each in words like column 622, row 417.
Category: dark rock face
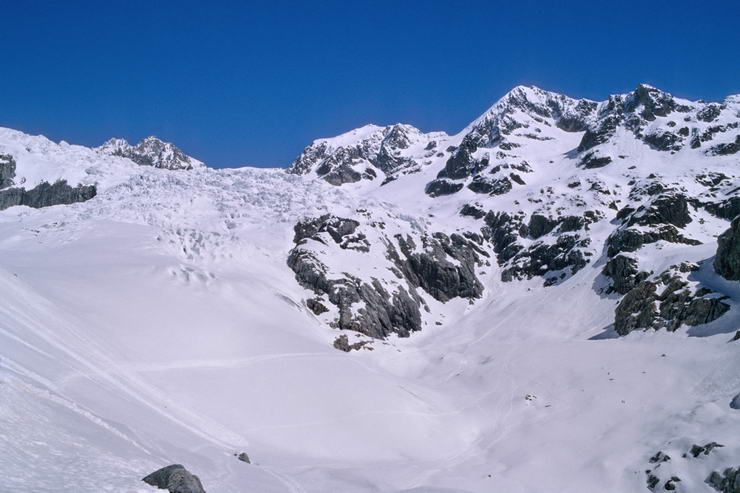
column 631, row 239
column 540, row 225
column 244, row 457
column 727, row 209
column 436, row 188
column 624, row 273
column 592, row 160
column 542, row 258
column 176, row 479
column 7, row 170
column 431, row 270
column 726, row 482
column 496, row 186
column 46, row 194
column 341, row 175
column 554, row 260
column 444, row 266
column 667, row 303
column 727, row 260
column 667, row 208
column 706, row 449
column 473, row 211
column 726, row 149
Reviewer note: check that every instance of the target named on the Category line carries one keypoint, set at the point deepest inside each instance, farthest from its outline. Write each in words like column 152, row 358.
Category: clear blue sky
column 237, row 83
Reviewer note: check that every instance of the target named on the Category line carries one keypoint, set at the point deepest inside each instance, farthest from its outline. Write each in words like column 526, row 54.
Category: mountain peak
column 151, row 151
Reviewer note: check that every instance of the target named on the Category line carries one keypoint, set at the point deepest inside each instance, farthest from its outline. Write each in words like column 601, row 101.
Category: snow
column 159, row 323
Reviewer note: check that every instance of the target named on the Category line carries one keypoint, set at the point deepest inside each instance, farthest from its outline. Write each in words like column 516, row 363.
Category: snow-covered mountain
column 151, row 151
column 547, row 301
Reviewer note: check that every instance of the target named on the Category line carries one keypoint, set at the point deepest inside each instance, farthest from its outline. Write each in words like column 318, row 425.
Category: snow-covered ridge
column 151, row 151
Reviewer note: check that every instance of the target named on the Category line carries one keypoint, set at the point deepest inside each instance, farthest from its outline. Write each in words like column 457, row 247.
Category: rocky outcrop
column 668, row 302
column 151, row 151
column 361, row 154
column 441, row 265
column 444, row 267
column 7, row 170
column 728, row 481
column 624, row 272
column 176, row 479
column 46, row 194
column 727, row 260
column 437, row 188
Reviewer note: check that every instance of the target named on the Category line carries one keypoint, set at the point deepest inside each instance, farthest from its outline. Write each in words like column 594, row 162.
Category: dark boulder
column 735, row 402
column 176, row 479
column 727, row 260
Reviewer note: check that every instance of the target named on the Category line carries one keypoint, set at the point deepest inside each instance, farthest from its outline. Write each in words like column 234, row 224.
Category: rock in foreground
column 176, row 479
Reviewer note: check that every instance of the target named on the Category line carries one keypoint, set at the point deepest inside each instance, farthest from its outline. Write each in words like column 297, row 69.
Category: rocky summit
column 547, row 300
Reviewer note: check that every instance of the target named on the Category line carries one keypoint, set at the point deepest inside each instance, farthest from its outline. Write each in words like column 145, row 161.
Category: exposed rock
column 472, row 211
column 624, row 273
column 735, row 402
column 677, row 302
column 176, row 479
column 151, row 152
column 244, row 457
column 540, row 225
column 697, row 450
column 342, row 343
column 726, row 149
column 46, row 194
column 541, row 258
column 670, row 485
column 728, row 209
column 659, row 457
column 7, row 170
column 316, row 306
column 592, row 160
column 667, row 208
column 444, row 266
column 436, row 188
column 495, row 186
column 360, row 154
column 631, row 239
column 727, row 260
column 726, row 482
column 431, row 270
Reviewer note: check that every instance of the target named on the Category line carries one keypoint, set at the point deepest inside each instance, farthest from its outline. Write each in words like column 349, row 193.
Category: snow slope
column 160, row 323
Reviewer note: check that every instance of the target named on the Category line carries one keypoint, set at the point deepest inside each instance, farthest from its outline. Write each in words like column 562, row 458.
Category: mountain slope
column 550, row 334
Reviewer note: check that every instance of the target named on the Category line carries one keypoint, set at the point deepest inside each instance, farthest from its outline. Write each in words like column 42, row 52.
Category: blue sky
column 251, row 83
